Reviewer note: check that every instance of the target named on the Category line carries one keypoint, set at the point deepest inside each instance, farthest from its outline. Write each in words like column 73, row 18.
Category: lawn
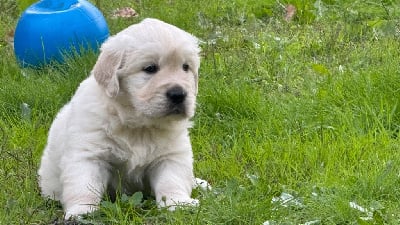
column 298, row 116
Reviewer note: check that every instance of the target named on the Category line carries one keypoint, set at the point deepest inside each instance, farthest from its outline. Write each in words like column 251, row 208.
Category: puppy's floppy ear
column 105, row 69
column 196, row 71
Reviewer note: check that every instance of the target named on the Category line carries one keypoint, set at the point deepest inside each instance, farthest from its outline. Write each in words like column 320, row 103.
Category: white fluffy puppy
column 127, row 124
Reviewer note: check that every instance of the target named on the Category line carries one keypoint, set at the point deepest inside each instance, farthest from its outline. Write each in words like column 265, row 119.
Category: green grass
column 308, row 108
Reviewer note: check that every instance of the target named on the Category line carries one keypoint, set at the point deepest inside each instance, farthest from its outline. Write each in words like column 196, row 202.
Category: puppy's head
column 151, row 67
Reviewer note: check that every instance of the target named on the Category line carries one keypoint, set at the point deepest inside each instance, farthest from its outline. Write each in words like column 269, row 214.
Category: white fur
column 118, row 130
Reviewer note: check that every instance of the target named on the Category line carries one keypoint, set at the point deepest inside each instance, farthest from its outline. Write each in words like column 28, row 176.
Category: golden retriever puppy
column 127, row 124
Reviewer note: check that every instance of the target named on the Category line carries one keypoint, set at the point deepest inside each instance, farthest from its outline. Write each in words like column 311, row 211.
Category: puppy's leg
column 84, row 183
column 49, row 177
column 172, row 183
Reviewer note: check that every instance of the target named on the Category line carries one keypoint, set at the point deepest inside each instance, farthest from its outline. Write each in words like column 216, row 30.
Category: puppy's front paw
column 172, row 204
column 77, row 211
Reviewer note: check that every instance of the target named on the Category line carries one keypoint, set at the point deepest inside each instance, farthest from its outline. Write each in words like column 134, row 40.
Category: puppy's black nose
column 176, row 94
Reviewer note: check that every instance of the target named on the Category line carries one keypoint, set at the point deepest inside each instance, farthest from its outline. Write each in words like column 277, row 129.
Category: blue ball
column 51, row 29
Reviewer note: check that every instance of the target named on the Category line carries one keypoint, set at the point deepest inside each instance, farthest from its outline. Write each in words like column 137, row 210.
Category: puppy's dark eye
column 153, row 68
column 185, row 67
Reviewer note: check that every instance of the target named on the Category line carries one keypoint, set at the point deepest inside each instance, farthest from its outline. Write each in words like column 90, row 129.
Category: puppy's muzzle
column 176, row 97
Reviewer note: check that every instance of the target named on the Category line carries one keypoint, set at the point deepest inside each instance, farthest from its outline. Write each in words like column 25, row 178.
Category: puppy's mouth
column 176, row 109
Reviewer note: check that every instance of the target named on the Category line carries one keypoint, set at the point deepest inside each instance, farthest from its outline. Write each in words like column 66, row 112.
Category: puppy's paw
column 172, row 204
column 202, row 184
column 77, row 211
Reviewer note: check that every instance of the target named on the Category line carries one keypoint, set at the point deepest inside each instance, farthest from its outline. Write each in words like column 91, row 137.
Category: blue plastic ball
column 50, row 29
